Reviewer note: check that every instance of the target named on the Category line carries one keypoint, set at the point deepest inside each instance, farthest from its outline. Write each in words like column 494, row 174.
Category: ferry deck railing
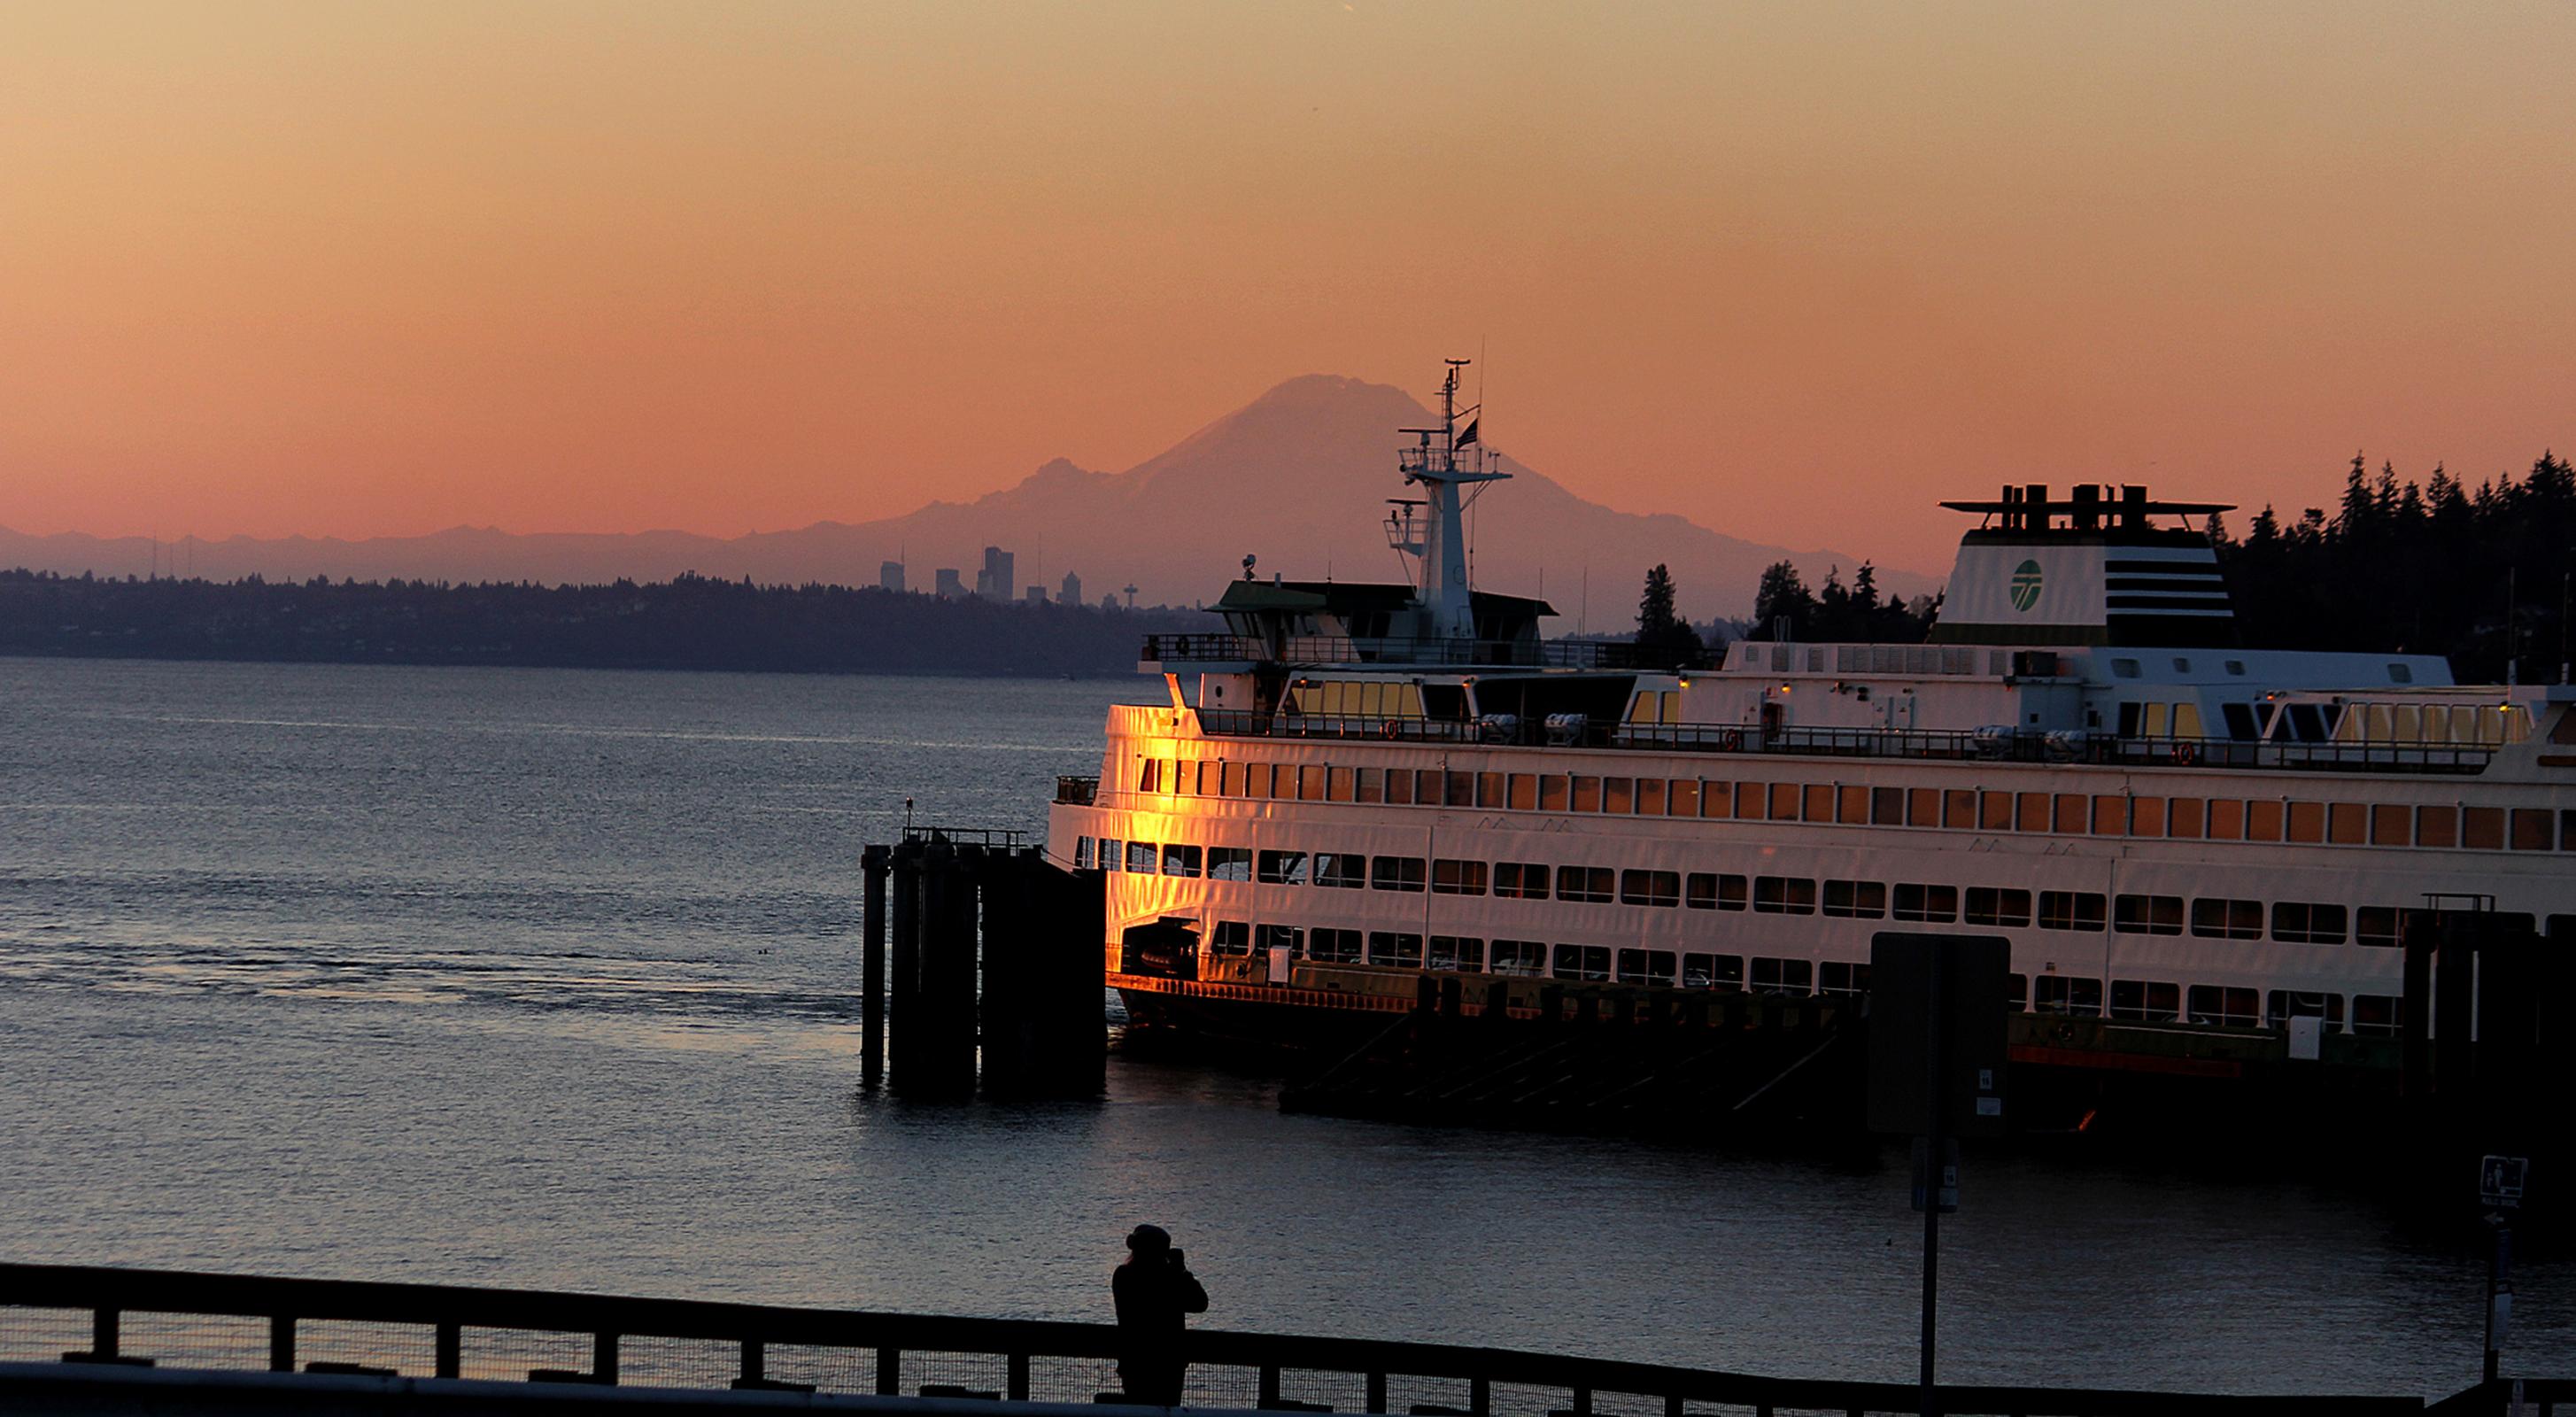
column 91, row 1315
column 2097, row 749
column 1398, row 649
column 995, row 838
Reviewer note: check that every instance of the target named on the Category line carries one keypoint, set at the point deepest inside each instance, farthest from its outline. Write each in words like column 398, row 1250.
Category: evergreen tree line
column 1784, row 608
column 2479, row 574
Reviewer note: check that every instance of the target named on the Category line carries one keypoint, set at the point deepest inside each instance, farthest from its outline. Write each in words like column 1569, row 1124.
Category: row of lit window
column 2209, row 917
column 2127, row 1000
column 1956, row 809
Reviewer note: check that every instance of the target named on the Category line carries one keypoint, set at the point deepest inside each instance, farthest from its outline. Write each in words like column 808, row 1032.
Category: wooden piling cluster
column 980, row 960
column 2487, row 1062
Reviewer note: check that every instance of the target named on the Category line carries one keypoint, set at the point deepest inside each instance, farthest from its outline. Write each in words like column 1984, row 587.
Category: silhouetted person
column 1155, row 1291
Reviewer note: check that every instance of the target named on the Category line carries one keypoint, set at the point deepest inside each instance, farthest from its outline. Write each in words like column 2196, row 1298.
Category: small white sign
column 2500, row 1180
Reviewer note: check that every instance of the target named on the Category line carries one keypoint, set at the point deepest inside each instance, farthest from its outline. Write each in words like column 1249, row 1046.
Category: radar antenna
column 1443, row 460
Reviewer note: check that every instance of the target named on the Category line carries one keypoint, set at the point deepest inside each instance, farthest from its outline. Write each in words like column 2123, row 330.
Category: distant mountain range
column 1299, row 477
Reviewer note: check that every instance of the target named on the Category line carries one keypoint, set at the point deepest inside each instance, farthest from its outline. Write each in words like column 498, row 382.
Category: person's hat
column 1149, row 1237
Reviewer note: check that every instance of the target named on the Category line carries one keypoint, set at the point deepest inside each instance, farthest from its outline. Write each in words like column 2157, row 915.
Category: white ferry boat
column 1355, row 788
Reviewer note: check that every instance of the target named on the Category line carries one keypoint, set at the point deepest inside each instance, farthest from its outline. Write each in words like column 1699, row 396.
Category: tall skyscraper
column 1072, row 594
column 890, row 576
column 950, row 587
column 995, row 581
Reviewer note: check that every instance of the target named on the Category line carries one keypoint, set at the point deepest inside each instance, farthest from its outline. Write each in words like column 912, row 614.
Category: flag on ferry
column 1469, row 435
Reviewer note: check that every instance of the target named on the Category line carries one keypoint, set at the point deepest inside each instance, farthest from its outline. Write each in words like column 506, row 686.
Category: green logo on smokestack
column 2025, row 585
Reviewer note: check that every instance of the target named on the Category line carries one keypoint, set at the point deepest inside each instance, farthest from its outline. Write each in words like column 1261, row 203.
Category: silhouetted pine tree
column 1783, row 595
column 1663, row 636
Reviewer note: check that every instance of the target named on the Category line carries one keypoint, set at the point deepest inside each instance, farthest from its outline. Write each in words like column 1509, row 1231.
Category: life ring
column 1730, row 741
column 2185, row 754
column 1391, row 730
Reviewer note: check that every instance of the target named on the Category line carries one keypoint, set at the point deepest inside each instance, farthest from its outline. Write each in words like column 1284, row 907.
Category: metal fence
column 80, row 1314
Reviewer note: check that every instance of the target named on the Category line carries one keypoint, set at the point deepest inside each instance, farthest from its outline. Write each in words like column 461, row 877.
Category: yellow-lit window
column 2437, row 826
column 2263, row 821
column 2186, row 720
column 2151, row 724
column 2110, row 816
column 2030, row 812
column 2226, row 820
column 2073, row 812
column 2307, row 821
column 2185, row 816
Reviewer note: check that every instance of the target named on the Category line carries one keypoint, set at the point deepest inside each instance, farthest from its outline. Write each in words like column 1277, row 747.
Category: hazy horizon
column 1794, row 273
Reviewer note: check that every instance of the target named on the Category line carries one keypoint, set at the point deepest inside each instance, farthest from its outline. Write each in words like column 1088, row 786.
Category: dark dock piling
column 935, row 1046
column 995, row 969
column 875, row 864
column 1042, row 1025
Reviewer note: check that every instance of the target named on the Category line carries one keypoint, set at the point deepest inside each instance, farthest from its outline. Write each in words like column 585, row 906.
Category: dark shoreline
column 691, row 624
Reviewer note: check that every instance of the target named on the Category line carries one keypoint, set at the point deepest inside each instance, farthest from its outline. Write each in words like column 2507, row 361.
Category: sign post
column 1936, row 1065
column 2500, row 1182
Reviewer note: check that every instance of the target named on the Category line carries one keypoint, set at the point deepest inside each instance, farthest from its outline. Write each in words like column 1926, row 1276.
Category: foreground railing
column 80, row 1314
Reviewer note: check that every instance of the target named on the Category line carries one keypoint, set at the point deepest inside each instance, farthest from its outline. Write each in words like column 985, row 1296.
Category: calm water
column 544, row 978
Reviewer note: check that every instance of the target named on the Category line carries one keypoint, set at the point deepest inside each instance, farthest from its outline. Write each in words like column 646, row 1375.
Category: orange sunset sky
column 1793, row 271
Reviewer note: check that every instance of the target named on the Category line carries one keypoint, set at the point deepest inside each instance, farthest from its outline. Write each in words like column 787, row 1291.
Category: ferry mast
column 1443, row 461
